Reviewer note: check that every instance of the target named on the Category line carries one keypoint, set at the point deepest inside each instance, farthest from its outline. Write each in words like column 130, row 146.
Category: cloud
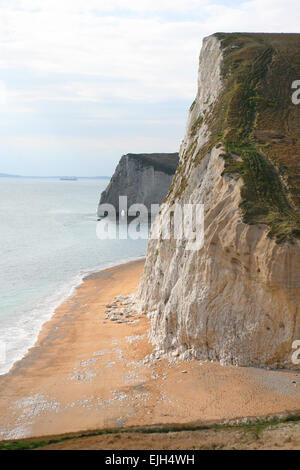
column 135, row 58
column 3, row 94
column 116, row 53
column 254, row 16
column 75, row 155
column 30, row 143
column 105, row 5
column 128, row 53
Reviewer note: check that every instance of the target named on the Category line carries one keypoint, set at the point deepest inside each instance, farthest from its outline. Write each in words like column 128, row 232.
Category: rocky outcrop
column 143, row 178
column 236, row 299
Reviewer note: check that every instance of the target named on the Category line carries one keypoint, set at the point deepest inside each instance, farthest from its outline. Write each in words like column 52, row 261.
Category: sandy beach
column 88, row 372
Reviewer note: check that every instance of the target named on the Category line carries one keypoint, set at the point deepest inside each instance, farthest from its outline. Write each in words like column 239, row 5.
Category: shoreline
column 50, row 305
column 88, row 372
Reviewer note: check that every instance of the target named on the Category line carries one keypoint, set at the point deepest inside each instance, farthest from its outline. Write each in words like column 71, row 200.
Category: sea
column 48, row 244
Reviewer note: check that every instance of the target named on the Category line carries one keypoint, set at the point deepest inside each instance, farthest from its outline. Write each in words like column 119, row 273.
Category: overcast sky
column 84, row 81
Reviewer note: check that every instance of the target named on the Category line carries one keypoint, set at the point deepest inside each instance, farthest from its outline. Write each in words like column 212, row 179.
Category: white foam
column 22, row 336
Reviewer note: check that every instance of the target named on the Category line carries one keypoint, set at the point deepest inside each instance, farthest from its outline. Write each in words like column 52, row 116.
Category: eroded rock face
column 143, row 178
column 237, row 299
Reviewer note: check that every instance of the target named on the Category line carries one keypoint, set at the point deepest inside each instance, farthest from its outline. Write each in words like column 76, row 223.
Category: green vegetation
column 259, row 127
column 178, row 175
column 165, row 162
column 251, row 71
column 257, row 426
column 196, row 126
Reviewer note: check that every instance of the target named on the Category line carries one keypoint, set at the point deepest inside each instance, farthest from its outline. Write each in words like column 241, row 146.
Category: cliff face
column 143, row 178
column 237, row 299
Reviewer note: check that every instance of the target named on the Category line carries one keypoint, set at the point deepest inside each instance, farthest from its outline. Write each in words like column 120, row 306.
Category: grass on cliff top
column 259, row 127
column 165, row 162
column 256, row 426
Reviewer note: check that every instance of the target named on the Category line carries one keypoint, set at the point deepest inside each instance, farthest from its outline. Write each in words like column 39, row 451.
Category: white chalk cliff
column 143, row 178
column 237, row 299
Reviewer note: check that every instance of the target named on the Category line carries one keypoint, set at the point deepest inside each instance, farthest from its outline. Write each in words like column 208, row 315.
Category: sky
column 83, row 82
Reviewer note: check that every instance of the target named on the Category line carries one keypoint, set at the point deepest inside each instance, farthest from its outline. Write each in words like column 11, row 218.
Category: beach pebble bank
column 121, row 310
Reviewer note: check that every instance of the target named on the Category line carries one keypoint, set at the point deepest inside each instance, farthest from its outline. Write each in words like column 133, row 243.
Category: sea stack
column 144, row 178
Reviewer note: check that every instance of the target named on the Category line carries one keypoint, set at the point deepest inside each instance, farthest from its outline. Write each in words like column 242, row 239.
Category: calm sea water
column 48, row 243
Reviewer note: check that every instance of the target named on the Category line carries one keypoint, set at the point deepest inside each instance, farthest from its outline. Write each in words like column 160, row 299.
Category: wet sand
column 87, row 372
